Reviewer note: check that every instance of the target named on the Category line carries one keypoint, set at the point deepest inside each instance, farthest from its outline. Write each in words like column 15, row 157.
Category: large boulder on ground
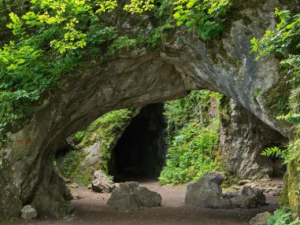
column 29, row 213
column 249, row 198
column 148, row 198
column 101, row 183
column 123, row 200
column 129, row 196
column 207, row 192
column 260, row 219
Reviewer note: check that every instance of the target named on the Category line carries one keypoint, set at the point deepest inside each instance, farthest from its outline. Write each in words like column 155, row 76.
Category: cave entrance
column 141, row 150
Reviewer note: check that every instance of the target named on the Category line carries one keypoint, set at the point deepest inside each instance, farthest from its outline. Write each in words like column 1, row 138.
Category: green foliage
column 9, row 219
column 192, row 138
column 160, row 34
column 205, row 17
column 284, row 44
column 293, row 150
column 291, row 118
column 45, row 39
column 70, row 164
column 78, row 137
column 274, row 152
column 106, row 130
column 256, row 92
column 137, row 6
column 283, row 41
column 180, row 112
column 191, row 155
column 282, row 217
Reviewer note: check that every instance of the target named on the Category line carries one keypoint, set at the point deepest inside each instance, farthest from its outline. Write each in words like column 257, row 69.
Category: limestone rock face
column 243, row 138
column 101, row 183
column 260, row 219
column 135, row 79
column 54, row 197
column 28, row 213
column 129, row 196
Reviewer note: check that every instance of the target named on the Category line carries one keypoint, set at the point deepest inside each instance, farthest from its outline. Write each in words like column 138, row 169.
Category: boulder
column 249, row 198
column 129, row 196
column 256, row 194
column 148, row 198
column 242, row 201
column 101, row 183
column 260, row 219
column 28, row 213
column 123, row 201
column 206, row 192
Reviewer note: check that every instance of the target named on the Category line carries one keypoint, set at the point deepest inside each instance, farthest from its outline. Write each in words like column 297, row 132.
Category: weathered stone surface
column 243, row 138
column 135, row 79
column 205, row 192
column 249, row 198
column 129, row 196
column 123, row 201
column 257, row 194
column 101, row 183
column 53, row 198
column 29, row 213
column 148, row 198
column 260, row 219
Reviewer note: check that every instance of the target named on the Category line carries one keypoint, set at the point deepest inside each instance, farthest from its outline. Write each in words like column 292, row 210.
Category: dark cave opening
column 141, row 150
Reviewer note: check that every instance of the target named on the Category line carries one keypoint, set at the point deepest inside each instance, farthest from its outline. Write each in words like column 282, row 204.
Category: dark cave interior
column 141, row 150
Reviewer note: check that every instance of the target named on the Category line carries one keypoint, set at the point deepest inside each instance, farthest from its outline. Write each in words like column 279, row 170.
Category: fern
column 274, row 152
column 291, row 118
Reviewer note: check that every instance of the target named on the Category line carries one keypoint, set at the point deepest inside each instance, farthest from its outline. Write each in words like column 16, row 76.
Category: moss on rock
column 94, row 151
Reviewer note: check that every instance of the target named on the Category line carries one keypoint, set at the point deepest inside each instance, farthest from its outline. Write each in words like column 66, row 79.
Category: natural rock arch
column 133, row 80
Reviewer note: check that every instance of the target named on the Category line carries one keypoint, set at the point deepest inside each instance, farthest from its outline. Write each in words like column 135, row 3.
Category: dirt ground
column 91, row 209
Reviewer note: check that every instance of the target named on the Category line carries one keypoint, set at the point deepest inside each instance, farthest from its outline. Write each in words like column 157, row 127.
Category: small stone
column 67, row 180
column 266, row 178
column 260, row 219
column 29, row 213
column 276, row 193
column 101, row 183
column 89, row 186
column 243, row 182
column 235, row 187
column 74, row 185
column 77, row 197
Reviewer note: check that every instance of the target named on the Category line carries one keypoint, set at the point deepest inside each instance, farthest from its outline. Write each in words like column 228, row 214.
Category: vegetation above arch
column 46, row 39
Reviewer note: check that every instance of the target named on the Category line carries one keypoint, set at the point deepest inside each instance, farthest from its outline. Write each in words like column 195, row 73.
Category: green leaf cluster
column 274, row 152
column 205, row 17
column 191, row 154
column 193, row 138
column 282, row 217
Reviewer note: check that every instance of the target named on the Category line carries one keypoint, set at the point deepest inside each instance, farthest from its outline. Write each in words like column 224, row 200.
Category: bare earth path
column 92, row 209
